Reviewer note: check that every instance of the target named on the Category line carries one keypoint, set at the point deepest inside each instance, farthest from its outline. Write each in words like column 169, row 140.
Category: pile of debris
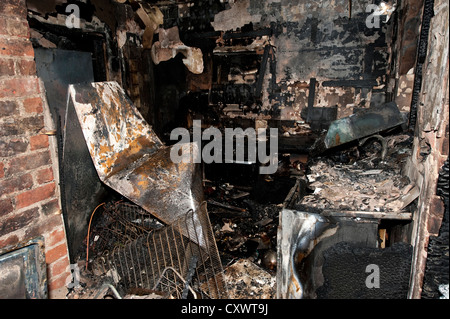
column 246, row 280
column 185, row 237
column 246, row 235
column 359, row 180
column 246, row 238
column 250, row 233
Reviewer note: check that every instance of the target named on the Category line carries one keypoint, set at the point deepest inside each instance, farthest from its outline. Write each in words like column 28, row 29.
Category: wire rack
column 179, row 261
column 118, row 223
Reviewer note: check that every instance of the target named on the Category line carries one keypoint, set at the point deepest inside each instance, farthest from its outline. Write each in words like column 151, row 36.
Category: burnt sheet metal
column 59, row 68
column 130, row 158
column 23, row 272
column 363, row 124
column 298, row 234
column 81, row 188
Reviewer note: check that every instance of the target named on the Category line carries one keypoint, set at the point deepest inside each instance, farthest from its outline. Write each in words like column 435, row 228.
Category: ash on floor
column 246, row 280
column 358, row 180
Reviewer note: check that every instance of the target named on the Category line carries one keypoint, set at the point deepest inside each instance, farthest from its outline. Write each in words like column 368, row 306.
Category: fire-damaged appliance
column 337, row 258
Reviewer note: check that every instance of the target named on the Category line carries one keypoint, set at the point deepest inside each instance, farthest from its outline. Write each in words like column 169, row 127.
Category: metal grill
column 179, row 261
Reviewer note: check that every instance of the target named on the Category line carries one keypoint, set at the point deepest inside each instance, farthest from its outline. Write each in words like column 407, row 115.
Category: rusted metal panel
column 80, row 186
column 130, row 158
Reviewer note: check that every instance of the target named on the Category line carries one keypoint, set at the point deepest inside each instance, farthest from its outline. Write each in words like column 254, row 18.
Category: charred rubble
column 99, row 97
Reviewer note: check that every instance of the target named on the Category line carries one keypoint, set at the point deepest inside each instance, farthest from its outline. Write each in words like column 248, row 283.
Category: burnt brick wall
column 29, row 195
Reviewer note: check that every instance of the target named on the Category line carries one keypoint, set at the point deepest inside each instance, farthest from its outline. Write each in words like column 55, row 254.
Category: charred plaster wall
column 431, row 142
column 119, row 52
column 325, row 40
column 405, row 37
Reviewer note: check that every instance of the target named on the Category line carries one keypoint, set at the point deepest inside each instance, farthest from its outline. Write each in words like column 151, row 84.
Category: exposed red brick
column 18, row 221
column 55, row 237
column 39, row 142
column 6, row 207
column 16, row 8
column 51, row 207
column 28, row 162
column 56, row 284
column 22, row 126
column 13, row 147
column 19, row 183
column 26, row 67
column 45, row 226
column 19, row 87
column 16, row 47
column 55, row 253
column 8, row 108
column 59, row 267
column 14, row 26
column 33, row 105
column 6, row 67
column 25, row 202
column 44, row 176
column 35, row 195
column 9, row 241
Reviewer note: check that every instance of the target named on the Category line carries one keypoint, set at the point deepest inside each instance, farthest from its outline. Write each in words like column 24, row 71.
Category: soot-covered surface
column 437, row 267
column 345, row 273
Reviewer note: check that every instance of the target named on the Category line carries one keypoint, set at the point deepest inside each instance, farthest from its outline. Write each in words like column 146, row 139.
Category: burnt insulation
column 437, row 266
column 345, row 272
column 428, row 13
